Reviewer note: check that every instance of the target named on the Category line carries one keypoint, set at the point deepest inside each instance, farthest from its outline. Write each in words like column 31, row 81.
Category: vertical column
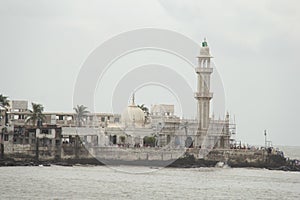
column 203, row 95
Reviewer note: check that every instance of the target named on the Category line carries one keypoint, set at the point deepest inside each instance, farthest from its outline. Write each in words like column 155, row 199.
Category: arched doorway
column 168, row 139
column 113, row 139
column 177, row 141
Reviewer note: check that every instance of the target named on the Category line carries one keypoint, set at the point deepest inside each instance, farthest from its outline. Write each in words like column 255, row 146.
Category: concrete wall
column 29, row 151
column 132, row 154
column 78, row 151
column 234, row 157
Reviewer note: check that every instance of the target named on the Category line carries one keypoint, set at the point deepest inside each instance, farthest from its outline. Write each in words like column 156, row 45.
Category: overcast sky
column 255, row 45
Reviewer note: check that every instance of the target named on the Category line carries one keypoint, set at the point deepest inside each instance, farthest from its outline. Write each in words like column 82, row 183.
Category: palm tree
column 36, row 114
column 144, row 108
column 4, row 102
column 146, row 111
column 81, row 112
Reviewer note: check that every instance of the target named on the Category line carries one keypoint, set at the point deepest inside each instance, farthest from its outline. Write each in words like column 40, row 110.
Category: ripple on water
column 101, row 182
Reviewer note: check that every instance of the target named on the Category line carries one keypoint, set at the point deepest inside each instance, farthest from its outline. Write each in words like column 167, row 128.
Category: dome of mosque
column 133, row 115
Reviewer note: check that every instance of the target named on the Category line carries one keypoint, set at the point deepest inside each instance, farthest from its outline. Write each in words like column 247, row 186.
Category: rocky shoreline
column 185, row 162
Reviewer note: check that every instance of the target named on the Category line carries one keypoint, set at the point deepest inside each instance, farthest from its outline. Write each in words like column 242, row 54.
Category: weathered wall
column 234, row 157
column 68, row 151
column 131, row 154
column 28, row 151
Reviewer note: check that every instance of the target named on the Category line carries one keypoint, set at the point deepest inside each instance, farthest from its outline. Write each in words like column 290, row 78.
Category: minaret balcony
column 199, row 95
column 203, row 70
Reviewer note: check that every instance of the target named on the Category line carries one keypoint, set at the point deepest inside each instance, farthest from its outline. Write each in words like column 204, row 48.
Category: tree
column 81, row 112
column 122, row 139
column 145, row 110
column 4, row 102
column 36, row 114
column 149, row 141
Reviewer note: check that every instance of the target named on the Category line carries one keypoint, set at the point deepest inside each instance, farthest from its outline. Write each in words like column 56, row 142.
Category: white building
column 134, row 128
column 171, row 131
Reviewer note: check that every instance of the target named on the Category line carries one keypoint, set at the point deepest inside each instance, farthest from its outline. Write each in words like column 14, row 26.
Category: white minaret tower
column 203, row 94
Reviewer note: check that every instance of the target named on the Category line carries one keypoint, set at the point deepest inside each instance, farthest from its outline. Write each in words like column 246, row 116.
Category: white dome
column 133, row 115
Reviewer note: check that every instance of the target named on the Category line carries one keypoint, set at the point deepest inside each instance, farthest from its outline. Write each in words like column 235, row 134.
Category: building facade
column 134, row 128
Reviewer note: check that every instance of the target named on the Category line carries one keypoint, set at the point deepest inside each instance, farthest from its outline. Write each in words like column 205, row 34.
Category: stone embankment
column 191, row 159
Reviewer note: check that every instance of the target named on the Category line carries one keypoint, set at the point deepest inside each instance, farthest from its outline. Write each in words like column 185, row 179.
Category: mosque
column 134, row 128
column 169, row 130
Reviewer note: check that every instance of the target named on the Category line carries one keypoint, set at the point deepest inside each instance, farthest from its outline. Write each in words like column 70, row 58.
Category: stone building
column 131, row 129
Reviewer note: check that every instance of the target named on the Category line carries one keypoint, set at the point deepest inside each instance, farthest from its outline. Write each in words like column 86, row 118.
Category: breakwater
column 68, row 155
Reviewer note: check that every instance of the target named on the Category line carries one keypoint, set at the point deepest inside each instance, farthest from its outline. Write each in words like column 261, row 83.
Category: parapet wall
column 132, row 154
column 234, row 157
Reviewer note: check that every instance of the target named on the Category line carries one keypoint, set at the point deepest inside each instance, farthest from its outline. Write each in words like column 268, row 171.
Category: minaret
column 133, row 99
column 203, row 94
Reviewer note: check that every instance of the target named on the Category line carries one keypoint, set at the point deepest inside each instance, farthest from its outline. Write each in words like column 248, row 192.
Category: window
column 26, row 134
column 102, row 119
column 5, row 137
column 32, row 134
column 117, row 120
column 17, row 130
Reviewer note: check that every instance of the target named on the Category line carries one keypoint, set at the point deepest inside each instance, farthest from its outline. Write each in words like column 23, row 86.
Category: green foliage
column 149, row 141
column 36, row 114
column 144, row 108
column 146, row 111
column 81, row 112
column 122, row 138
column 4, row 101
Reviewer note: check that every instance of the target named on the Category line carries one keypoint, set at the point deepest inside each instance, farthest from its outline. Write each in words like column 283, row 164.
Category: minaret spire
column 204, row 43
column 203, row 94
column 133, row 99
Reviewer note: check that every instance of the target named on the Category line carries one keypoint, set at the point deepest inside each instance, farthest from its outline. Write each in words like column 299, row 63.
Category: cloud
column 255, row 44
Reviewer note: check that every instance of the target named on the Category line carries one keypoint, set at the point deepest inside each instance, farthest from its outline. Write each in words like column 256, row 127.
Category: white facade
column 203, row 94
column 130, row 128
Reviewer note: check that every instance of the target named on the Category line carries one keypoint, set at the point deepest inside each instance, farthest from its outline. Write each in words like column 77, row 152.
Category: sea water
column 128, row 182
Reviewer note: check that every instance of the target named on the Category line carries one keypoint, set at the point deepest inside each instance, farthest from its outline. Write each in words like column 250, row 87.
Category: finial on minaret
column 204, row 43
column 227, row 115
column 133, row 99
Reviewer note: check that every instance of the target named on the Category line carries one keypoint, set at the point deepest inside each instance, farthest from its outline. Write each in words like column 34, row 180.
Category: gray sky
column 255, row 45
